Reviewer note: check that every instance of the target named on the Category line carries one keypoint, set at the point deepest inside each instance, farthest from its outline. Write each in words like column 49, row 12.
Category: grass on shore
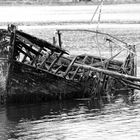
column 66, row 23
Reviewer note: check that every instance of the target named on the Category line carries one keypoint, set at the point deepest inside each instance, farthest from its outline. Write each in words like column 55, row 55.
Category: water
column 78, row 120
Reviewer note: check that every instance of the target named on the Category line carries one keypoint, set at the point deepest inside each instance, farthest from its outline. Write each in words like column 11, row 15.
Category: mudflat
column 121, row 13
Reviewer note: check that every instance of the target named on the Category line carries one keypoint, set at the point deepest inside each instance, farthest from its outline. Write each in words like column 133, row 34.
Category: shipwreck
column 35, row 70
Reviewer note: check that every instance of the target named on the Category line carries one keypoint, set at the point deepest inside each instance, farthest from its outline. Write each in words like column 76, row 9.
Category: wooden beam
column 115, row 62
column 26, row 41
column 59, row 39
column 40, row 42
column 28, row 47
column 20, row 50
column 108, row 72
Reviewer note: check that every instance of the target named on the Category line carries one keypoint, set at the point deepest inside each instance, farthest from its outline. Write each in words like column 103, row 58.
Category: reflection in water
column 51, row 120
column 70, row 120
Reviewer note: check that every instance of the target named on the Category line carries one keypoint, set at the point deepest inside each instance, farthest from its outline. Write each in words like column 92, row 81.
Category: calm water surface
column 69, row 120
column 78, row 120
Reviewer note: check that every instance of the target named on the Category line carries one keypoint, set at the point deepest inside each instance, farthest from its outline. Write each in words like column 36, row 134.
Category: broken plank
column 108, row 72
column 55, row 60
column 28, row 47
column 40, row 42
column 20, row 50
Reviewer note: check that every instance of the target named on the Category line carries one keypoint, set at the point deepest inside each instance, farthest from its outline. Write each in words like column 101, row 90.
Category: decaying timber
column 36, row 70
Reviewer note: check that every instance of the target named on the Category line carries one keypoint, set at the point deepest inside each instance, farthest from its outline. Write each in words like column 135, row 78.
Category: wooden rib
column 58, row 69
column 70, row 65
column 43, row 62
column 27, row 47
column 19, row 49
column 36, row 58
column 27, row 52
column 84, row 60
column 75, row 72
column 55, row 61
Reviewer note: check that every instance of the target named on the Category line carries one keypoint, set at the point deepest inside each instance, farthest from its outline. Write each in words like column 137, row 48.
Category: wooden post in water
column 135, row 61
column 59, row 39
column 54, row 41
column 12, row 39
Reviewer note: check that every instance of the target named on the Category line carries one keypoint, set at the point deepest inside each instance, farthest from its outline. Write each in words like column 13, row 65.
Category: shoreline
column 77, row 26
column 82, row 3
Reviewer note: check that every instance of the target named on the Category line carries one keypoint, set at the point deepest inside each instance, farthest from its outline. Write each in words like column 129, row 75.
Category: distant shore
column 64, row 2
column 67, row 24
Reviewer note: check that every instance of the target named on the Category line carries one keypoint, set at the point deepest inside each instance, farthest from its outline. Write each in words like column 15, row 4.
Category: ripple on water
column 70, row 120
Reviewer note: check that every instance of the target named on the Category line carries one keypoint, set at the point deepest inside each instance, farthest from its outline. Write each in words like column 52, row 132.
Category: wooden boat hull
column 28, row 84
column 39, row 71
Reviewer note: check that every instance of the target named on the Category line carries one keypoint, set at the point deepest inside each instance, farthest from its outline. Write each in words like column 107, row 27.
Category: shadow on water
column 21, row 118
column 37, row 111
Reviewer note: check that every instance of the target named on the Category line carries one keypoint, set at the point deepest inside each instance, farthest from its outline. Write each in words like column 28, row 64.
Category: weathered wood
column 27, row 51
column 83, row 73
column 27, row 54
column 105, row 61
column 56, row 71
column 59, row 39
column 32, row 82
column 40, row 42
column 108, row 72
column 45, row 59
column 27, row 41
column 70, row 65
column 135, row 61
column 12, row 41
column 28, row 48
column 61, row 78
column 113, row 62
column 54, row 41
column 53, row 63
column 84, row 60
column 36, row 58
column 75, row 73
column 4, row 43
column 128, row 82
